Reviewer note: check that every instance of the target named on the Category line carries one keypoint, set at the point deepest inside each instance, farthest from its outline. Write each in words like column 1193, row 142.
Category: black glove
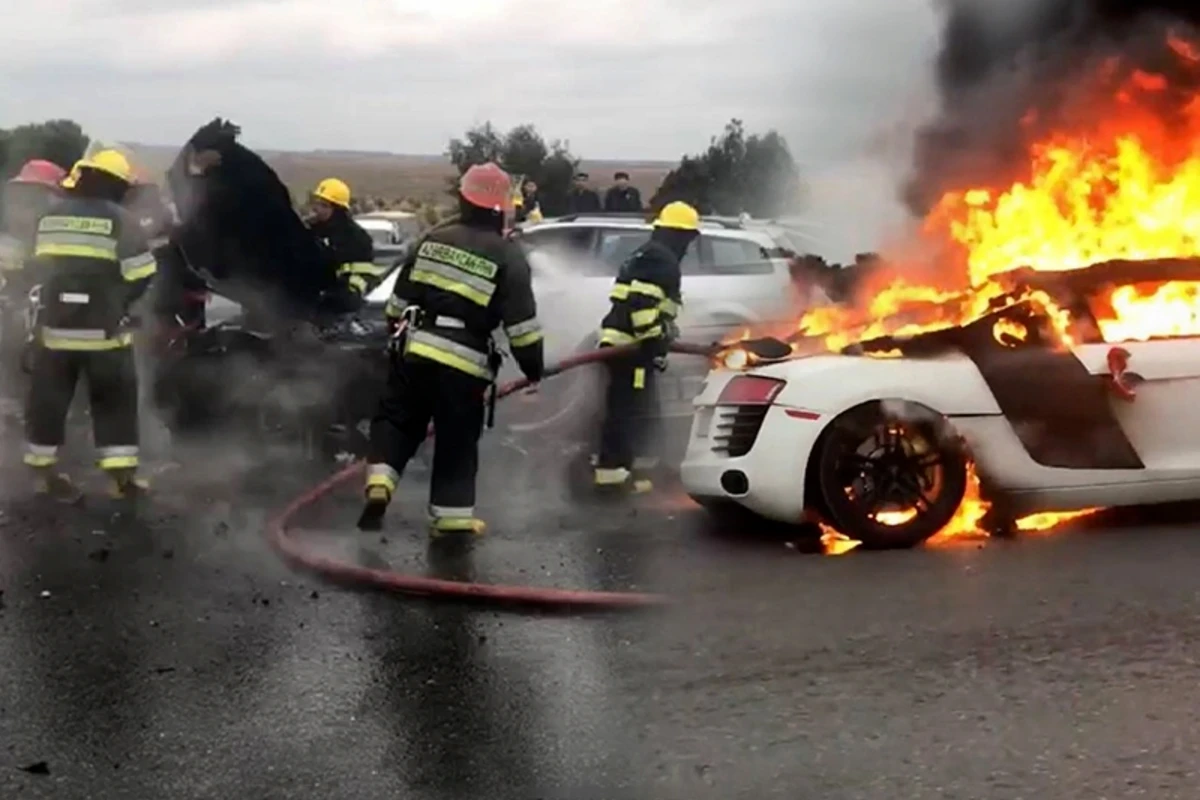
column 660, row 363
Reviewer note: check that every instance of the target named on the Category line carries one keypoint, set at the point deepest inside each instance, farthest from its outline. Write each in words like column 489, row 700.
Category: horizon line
column 439, row 156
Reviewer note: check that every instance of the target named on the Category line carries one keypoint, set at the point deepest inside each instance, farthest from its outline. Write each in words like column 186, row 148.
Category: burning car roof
column 1023, row 299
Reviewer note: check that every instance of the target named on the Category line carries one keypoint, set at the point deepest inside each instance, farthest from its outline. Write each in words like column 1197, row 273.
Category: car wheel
column 891, row 476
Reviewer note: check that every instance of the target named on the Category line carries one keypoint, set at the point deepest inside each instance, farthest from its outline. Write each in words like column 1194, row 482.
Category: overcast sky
column 618, row 78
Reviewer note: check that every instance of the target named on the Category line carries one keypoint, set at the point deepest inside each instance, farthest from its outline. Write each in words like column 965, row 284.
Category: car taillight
column 750, row 390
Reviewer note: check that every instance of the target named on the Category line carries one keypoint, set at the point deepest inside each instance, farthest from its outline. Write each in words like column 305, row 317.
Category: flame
column 1124, row 184
column 1049, row 520
column 965, row 525
column 1139, row 313
column 1009, row 332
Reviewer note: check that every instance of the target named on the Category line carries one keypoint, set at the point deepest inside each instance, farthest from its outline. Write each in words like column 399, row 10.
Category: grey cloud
column 826, row 72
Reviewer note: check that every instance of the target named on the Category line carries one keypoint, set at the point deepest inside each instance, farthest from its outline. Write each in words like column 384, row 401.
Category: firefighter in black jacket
column 346, row 244
column 646, row 300
column 94, row 261
column 25, row 199
column 460, row 284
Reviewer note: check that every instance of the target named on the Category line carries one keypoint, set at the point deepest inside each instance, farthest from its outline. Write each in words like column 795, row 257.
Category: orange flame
column 966, row 525
column 1124, row 186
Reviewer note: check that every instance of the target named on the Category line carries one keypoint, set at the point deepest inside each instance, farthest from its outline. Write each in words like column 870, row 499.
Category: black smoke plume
column 1009, row 71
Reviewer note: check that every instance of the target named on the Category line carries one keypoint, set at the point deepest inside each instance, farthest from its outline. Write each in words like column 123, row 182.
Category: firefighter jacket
column 351, row 250
column 96, row 262
column 645, row 299
column 467, row 281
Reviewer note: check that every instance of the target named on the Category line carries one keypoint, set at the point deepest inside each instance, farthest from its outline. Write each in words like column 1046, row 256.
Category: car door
column 738, row 282
column 1162, row 418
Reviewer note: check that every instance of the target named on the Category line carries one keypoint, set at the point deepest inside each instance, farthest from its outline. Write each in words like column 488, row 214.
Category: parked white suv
column 736, row 273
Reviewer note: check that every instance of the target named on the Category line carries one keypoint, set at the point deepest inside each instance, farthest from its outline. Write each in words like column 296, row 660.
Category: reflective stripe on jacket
column 360, row 275
column 97, row 260
column 474, row 276
column 646, row 294
column 350, row 250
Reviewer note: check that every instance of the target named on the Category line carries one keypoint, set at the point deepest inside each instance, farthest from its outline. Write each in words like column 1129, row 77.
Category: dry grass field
column 422, row 179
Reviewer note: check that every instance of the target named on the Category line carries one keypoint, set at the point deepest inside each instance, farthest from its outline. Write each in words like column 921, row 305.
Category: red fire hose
column 295, row 554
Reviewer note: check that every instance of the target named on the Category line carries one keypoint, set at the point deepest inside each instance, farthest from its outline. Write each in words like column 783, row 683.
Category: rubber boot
column 619, row 482
column 57, row 487
column 445, row 526
column 371, row 518
column 126, row 486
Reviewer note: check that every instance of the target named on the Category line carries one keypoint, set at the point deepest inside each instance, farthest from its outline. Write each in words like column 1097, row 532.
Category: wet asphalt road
column 178, row 659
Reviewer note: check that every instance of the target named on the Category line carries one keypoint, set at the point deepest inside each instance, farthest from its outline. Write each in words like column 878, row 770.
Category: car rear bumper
column 768, row 477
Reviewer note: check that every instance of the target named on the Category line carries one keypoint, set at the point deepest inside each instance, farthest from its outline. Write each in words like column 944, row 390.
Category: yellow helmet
column 678, row 215
column 72, row 176
column 334, row 191
column 110, row 162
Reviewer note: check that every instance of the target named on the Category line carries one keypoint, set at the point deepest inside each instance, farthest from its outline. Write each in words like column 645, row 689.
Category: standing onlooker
column 583, row 199
column 622, row 197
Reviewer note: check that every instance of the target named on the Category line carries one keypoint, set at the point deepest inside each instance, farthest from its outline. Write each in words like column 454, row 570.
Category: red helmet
column 43, row 173
column 486, row 186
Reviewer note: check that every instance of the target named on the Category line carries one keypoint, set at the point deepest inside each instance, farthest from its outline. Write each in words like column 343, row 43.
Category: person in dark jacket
column 582, row 199
column 460, row 283
column 621, row 197
column 239, row 229
column 347, row 246
column 95, row 261
column 646, row 299
column 25, row 199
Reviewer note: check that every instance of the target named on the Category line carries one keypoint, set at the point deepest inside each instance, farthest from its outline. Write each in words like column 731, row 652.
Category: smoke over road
column 1009, row 73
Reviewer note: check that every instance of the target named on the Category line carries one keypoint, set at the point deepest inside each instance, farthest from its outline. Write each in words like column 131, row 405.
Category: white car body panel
column 1162, row 424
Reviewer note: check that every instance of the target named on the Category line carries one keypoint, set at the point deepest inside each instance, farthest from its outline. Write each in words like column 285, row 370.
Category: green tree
column 521, row 151
column 59, row 140
column 737, row 174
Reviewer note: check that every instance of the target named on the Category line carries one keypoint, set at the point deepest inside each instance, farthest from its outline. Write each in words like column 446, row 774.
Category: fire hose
column 297, row 556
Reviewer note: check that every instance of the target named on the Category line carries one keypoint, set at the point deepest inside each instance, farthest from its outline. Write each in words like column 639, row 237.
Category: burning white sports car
column 1059, row 407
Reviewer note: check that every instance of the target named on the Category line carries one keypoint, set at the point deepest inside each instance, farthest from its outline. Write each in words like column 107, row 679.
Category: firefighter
column 347, row 244
column 95, row 262
column 461, row 283
column 645, row 303
column 26, row 198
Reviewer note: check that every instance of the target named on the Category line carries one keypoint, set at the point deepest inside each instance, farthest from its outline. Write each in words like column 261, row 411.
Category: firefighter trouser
column 113, row 394
column 419, row 391
column 630, row 419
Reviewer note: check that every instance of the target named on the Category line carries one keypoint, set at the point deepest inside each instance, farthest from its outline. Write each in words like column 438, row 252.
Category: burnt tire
column 891, row 476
